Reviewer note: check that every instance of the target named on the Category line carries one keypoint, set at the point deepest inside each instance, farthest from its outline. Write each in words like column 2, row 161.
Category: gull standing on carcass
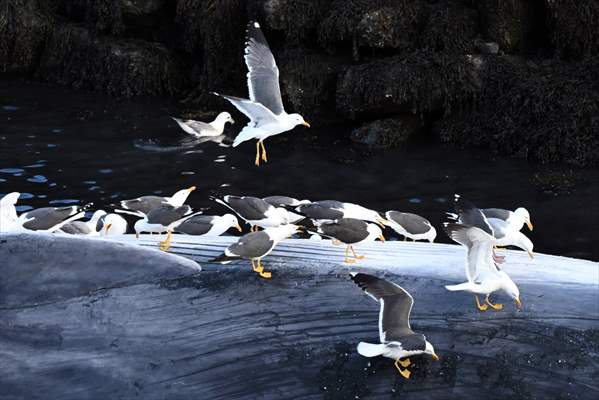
column 411, row 226
column 258, row 212
column 163, row 219
column 351, row 231
column 503, row 234
column 111, row 225
column 398, row 340
column 145, row 204
column 331, row 210
column 514, row 219
column 88, row 228
column 205, row 129
column 208, row 225
column 264, row 108
column 254, row 246
column 50, row 219
column 484, row 277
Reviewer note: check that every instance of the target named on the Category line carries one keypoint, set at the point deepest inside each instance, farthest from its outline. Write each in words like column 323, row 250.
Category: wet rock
column 75, row 57
column 573, row 26
column 419, row 83
column 101, row 16
column 24, row 27
column 541, row 112
column 387, row 133
column 141, row 7
column 516, row 25
column 308, row 84
column 556, row 182
column 449, row 26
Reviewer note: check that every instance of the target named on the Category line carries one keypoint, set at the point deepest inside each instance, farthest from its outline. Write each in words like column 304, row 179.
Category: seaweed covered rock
column 24, row 27
column 298, row 20
column 548, row 113
column 516, row 25
column 102, row 16
column 419, row 83
column 450, row 26
column 308, row 83
column 214, row 33
column 574, row 26
column 75, row 57
column 387, row 133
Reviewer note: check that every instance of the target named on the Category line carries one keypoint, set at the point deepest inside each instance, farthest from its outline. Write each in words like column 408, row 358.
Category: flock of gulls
column 275, row 218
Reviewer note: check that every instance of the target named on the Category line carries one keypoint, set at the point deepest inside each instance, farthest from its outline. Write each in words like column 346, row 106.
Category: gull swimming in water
column 264, row 108
column 205, row 129
column 398, row 340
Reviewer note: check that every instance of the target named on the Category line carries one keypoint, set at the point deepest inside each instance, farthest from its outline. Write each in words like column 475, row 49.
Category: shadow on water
column 63, row 147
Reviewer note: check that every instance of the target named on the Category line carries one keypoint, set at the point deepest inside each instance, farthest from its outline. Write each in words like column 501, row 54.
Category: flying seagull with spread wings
column 264, row 108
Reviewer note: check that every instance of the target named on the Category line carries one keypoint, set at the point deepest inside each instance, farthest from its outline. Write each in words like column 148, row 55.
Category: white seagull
column 9, row 221
column 264, row 108
column 484, row 277
column 205, row 129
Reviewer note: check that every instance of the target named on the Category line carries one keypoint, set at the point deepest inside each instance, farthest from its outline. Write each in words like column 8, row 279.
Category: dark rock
column 387, row 133
column 308, row 83
column 516, row 25
column 574, row 27
column 487, row 47
column 449, row 26
column 101, row 16
column 419, row 83
column 75, row 57
column 556, row 182
column 214, row 34
column 546, row 113
column 24, row 27
column 141, row 7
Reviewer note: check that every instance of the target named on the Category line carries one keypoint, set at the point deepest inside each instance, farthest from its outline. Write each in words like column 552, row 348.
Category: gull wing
column 263, row 73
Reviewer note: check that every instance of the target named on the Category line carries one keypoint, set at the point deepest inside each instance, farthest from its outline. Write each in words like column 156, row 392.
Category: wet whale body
column 115, row 325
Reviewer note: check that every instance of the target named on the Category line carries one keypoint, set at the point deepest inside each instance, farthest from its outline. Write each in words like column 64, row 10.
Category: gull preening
column 411, row 226
column 257, row 212
column 208, row 225
column 264, row 108
column 332, row 210
column 205, row 129
column 351, row 231
column 398, row 340
column 484, row 277
column 145, row 204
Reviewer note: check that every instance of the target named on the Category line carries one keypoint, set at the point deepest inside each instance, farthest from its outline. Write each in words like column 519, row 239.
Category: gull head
column 179, row 198
column 298, row 120
column 374, row 232
column 225, row 117
column 510, row 288
column 232, row 221
column 523, row 216
column 430, row 350
column 10, row 199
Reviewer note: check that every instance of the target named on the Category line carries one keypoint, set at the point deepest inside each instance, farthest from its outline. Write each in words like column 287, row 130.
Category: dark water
column 59, row 146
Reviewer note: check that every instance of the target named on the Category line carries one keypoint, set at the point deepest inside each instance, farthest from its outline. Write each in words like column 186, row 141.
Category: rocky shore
column 519, row 78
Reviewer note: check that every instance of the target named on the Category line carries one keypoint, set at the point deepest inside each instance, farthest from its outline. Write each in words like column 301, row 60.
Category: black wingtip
column 362, row 280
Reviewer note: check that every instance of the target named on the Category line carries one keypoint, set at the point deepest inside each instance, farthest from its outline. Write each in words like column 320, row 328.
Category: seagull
column 111, row 225
column 208, row 225
column 398, row 340
column 502, row 233
column 264, row 108
column 350, row 231
column 484, row 277
column 50, row 219
column 514, row 219
column 254, row 246
column 145, row 204
column 9, row 221
column 205, row 129
column 88, row 228
column 164, row 218
column 331, row 210
column 258, row 212
column 411, row 226
column 284, row 201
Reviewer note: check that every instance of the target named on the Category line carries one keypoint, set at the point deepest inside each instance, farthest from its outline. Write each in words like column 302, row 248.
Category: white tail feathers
column 461, row 286
column 246, row 133
column 370, row 350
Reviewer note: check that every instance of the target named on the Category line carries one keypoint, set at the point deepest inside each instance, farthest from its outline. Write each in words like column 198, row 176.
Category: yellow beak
column 107, row 228
column 529, row 224
column 306, row 124
column 531, row 255
column 191, row 189
column 381, row 238
column 299, row 229
column 435, row 357
column 238, row 228
column 382, row 222
column 518, row 302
